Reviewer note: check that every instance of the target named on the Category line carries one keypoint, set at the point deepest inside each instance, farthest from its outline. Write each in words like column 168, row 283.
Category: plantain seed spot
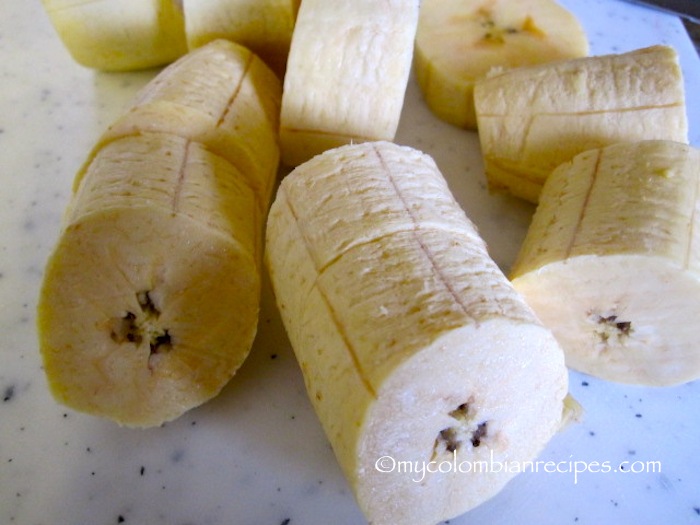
column 610, row 327
column 479, row 433
column 146, row 304
column 465, row 430
column 449, row 437
column 124, row 329
column 134, row 329
column 161, row 343
column 460, row 413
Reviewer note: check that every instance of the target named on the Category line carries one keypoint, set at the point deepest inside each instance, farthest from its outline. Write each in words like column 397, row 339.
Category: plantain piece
column 263, row 26
column 119, row 35
column 573, row 412
column 347, row 73
column 150, row 298
column 221, row 95
column 532, row 119
column 611, row 262
column 460, row 41
column 413, row 345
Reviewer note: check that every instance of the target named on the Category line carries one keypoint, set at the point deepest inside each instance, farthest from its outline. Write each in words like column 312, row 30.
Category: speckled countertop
column 256, row 454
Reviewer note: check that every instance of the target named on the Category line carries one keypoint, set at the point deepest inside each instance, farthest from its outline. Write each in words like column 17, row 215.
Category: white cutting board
column 256, row 454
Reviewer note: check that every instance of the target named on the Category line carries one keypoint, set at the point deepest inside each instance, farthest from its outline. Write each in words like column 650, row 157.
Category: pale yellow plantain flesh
column 532, row 119
column 119, row 35
column 150, row 299
column 413, row 345
column 263, row 26
column 611, row 262
column 458, row 42
column 347, row 72
column 221, row 95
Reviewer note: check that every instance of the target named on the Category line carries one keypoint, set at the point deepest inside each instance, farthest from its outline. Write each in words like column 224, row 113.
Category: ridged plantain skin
column 348, row 68
column 150, row 299
column 412, row 343
column 532, row 119
column 611, row 262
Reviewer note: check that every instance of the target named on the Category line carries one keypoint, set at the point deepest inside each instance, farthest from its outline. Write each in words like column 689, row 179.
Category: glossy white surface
column 256, row 454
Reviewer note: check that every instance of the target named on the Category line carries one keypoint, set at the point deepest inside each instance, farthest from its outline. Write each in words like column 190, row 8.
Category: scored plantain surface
column 531, row 119
column 611, row 261
column 347, row 72
column 150, row 298
column 413, row 345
